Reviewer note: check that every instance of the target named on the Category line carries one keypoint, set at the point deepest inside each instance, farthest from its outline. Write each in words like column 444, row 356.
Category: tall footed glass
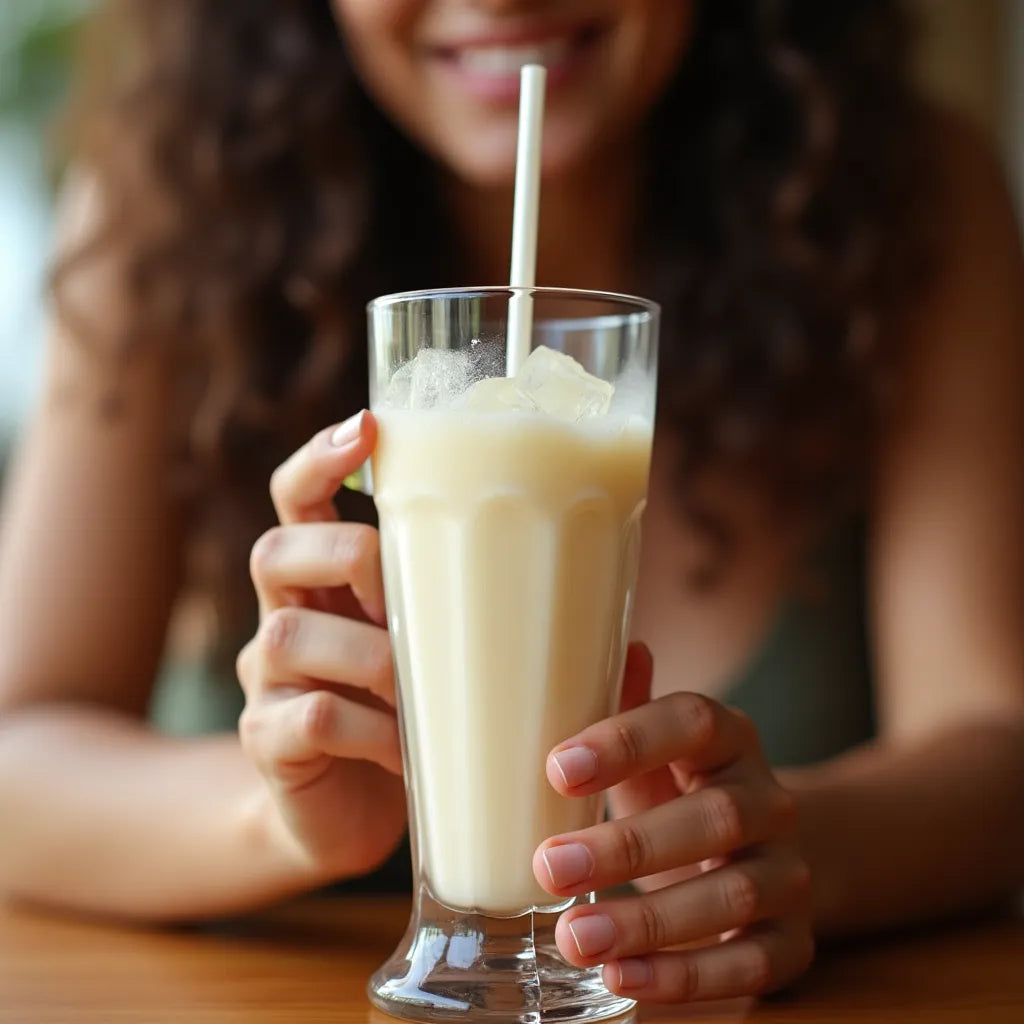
column 510, row 532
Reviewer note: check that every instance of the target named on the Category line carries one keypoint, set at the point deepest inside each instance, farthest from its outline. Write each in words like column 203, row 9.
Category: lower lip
column 504, row 89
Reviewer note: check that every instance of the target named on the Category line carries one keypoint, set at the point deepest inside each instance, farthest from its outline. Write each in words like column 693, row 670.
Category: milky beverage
column 510, row 531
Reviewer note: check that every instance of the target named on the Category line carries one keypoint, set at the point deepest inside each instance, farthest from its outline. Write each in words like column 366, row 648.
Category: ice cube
column 488, row 356
column 495, row 394
column 439, row 376
column 561, row 387
column 399, row 388
column 435, row 378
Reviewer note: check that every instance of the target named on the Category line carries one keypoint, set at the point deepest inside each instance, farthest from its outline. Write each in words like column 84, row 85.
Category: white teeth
column 508, row 60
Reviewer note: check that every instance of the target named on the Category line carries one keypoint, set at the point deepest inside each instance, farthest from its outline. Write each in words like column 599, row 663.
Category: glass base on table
column 453, row 965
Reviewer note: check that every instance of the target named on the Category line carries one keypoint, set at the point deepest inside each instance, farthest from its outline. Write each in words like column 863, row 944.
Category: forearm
column 900, row 835
column 101, row 815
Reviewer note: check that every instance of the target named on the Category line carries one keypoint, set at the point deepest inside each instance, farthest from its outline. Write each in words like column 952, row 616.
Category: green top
column 808, row 688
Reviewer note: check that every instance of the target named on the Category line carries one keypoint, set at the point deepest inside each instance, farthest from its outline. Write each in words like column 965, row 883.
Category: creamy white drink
column 510, row 529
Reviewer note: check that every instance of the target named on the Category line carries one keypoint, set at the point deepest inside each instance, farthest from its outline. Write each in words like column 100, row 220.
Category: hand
column 696, row 794
column 319, row 720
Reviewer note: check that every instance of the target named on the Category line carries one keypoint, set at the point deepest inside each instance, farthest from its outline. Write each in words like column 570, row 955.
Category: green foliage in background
column 36, row 41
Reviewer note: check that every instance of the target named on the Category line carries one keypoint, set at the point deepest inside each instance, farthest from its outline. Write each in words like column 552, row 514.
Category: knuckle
column 280, row 629
column 758, row 975
column 653, row 929
column 318, row 717
column 243, row 663
column 628, row 740
column 357, row 544
column 279, row 484
column 249, row 728
column 634, row 849
column 686, row 980
column 264, row 552
column 742, row 896
column 723, row 817
column 696, row 716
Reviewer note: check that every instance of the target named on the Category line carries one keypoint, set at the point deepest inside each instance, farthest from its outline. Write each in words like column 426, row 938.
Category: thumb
column 637, row 677
column 641, row 792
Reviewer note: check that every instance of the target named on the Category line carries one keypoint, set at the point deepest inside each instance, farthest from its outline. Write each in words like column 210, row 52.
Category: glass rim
column 638, row 304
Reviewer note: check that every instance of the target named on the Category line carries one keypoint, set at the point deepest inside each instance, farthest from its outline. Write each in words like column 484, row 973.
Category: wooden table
column 307, row 963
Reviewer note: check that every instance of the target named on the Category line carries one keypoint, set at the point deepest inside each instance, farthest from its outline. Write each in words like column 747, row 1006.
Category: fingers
column 323, row 554
column 303, row 487
column 295, row 645
column 761, row 960
column 648, row 789
column 712, row 822
column 738, row 895
column 293, row 736
column 685, row 728
column 289, row 739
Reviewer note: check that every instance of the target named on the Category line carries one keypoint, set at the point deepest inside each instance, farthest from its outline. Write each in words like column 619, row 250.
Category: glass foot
column 456, row 966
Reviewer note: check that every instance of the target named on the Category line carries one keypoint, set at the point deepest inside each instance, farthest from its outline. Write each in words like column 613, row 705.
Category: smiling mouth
column 492, row 67
column 508, row 60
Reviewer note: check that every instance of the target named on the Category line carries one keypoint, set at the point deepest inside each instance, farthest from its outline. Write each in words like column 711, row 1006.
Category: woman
column 842, row 286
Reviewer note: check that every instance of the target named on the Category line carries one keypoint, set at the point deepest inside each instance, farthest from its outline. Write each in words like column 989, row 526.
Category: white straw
column 524, row 216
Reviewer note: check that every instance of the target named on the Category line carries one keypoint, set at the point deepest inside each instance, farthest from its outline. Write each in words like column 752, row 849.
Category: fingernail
column 593, row 934
column 568, row 865
column 634, row 973
column 349, row 431
column 576, row 765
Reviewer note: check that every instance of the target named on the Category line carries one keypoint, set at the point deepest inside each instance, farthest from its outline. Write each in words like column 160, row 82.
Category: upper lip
column 523, row 35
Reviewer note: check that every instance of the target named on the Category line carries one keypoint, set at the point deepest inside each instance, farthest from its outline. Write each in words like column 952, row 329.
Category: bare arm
column 100, row 813
column 927, row 820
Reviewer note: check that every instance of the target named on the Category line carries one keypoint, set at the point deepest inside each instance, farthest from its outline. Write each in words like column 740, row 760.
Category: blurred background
column 972, row 56
column 36, row 44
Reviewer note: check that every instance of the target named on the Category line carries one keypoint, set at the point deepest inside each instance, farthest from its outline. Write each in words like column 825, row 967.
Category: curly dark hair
column 255, row 200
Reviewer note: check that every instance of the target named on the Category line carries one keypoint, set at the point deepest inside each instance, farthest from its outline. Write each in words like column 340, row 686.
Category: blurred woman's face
column 447, row 72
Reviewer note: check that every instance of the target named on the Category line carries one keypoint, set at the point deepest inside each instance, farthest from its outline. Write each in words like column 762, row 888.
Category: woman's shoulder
column 88, row 501
column 972, row 308
column 959, row 407
column 972, row 200
column 93, row 365
column 945, row 531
